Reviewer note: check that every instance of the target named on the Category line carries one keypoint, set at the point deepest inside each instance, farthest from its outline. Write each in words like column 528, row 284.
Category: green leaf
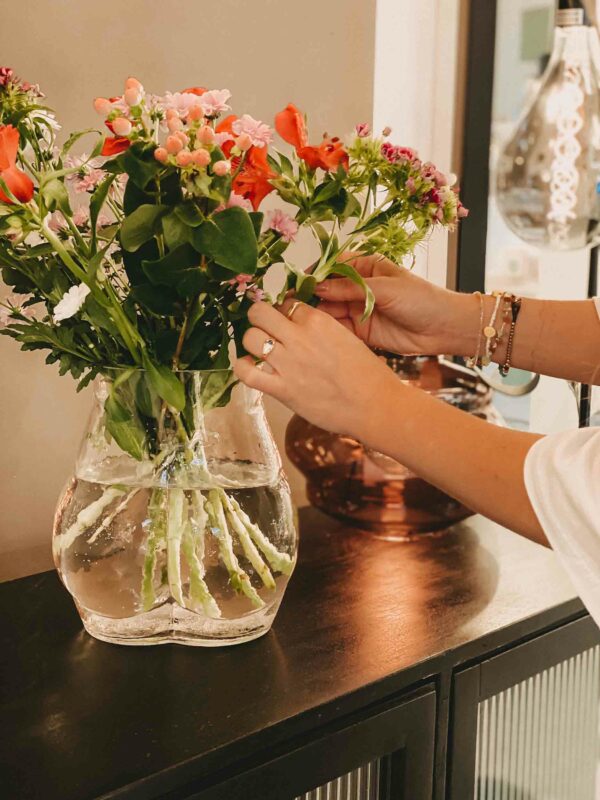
column 56, row 196
column 97, row 199
column 139, row 163
column 166, row 383
column 175, row 230
column 125, row 429
column 180, row 269
column 141, row 225
column 189, row 213
column 75, row 137
column 348, row 271
column 257, row 221
column 305, row 287
column 229, row 239
column 158, row 300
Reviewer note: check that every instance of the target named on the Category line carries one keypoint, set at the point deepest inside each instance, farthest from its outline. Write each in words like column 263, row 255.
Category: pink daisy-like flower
column 213, row 102
column 222, row 137
column 237, row 201
column 282, row 223
column 56, row 222
column 15, row 301
column 89, row 180
column 259, row 132
column 81, row 217
column 181, row 102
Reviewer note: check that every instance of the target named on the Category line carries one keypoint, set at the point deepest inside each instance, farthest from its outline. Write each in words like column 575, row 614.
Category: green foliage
column 229, row 239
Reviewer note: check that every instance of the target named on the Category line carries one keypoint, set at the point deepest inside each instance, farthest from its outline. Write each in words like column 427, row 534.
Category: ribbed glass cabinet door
column 539, row 739
column 360, row 784
column 525, row 724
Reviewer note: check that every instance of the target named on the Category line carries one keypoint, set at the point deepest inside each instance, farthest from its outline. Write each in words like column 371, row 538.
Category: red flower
column 18, row 183
column 290, row 125
column 328, row 155
column 114, row 144
column 254, row 180
column 199, row 90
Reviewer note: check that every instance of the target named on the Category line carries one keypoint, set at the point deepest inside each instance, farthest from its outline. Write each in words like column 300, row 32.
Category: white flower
column 71, row 302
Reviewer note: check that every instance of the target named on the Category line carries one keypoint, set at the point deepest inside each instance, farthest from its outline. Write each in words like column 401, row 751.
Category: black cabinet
column 386, row 754
column 526, row 723
column 448, row 668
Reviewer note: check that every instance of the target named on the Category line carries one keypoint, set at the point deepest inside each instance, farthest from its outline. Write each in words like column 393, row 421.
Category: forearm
column 477, row 463
column 553, row 337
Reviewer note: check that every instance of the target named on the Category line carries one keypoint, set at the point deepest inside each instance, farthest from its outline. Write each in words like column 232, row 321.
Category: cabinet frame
column 401, row 733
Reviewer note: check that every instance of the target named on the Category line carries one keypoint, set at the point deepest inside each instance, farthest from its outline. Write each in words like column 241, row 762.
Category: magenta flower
column 6, row 75
column 260, row 133
column 363, row 129
column 283, row 224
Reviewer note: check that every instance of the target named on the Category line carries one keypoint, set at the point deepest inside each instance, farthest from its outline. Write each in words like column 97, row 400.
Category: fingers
column 269, row 319
column 254, row 342
column 301, row 311
column 341, row 311
column 258, row 378
column 340, row 290
column 370, row 266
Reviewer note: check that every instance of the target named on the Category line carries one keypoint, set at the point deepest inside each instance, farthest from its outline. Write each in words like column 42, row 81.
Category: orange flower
column 254, row 180
column 18, row 183
column 114, row 144
column 290, row 125
column 199, row 90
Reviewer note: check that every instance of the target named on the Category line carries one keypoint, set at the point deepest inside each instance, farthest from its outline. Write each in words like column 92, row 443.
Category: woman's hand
column 411, row 315
column 317, row 368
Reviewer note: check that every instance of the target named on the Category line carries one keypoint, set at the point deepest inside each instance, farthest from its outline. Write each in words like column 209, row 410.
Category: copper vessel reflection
column 371, row 490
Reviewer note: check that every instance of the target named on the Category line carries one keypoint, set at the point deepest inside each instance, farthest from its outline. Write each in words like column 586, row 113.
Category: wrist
column 462, row 325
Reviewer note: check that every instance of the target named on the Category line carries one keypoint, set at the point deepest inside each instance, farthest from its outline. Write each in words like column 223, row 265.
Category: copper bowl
column 371, row 490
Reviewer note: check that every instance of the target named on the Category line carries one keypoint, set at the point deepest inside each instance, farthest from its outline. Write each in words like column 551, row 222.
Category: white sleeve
column 562, row 476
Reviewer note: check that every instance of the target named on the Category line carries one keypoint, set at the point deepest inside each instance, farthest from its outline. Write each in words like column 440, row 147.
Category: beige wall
column 267, row 52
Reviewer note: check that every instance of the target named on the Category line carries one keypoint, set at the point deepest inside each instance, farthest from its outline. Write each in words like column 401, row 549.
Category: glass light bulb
column 548, row 173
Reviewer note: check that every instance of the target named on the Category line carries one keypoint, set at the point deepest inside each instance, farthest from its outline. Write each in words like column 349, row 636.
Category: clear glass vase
column 177, row 526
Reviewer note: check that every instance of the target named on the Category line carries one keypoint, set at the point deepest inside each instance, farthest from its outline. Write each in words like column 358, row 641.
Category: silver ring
column 292, row 310
column 268, row 347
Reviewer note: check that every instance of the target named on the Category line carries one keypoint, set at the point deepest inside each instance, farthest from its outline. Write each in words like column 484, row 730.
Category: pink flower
column 398, row 154
column 104, row 220
column 102, row 106
column 133, row 96
column 241, row 281
column 222, row 137
column 260, row 133
column 256, row 294
column 81, row 217
column 363, row 129
column 462, row 212
column 173, row 144
column 121, row 126
column 56, row 222
column 411, row 186
column 206, row 135
column 133, row 83
column 282, row 223
column 179, row 102
column 184, row 158
column 89, row 181
column 6, row 75
column 15, row 301
column 213, row 102
column 386, row 131
column 161, row 154
column 237, row 201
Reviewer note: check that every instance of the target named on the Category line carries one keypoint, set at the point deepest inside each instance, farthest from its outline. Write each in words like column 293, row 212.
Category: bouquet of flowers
column 145, row 255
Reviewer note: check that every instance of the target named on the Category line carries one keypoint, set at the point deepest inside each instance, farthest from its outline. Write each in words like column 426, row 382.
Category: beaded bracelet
column 515, row 308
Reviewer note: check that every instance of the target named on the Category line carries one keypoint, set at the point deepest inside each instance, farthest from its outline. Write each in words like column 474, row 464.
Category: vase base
column 170, row 624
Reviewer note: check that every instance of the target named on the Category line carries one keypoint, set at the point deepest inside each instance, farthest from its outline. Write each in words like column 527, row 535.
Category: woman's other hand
column 411, row 315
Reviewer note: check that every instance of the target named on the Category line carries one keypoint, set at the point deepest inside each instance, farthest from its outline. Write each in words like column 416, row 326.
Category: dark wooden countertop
column 362, row 619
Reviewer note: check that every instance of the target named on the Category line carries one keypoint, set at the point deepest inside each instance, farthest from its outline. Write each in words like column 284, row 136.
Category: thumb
column 339, row 290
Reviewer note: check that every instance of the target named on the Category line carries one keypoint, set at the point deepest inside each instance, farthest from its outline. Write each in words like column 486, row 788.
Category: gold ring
column 292, row 310
column 268, row 347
